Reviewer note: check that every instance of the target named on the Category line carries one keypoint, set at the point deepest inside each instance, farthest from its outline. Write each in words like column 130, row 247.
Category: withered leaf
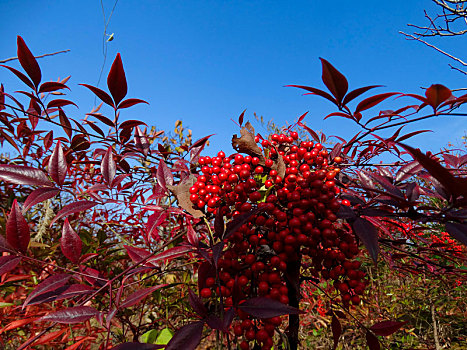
column 182, row 192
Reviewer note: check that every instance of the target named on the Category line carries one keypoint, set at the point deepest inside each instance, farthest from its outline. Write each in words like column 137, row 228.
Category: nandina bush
column 106, row 224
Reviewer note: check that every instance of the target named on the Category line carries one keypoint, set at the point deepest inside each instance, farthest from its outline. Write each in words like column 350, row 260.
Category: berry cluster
column 294, row 185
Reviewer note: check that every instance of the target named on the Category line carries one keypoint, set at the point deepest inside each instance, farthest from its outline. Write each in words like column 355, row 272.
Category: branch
column 44, row 55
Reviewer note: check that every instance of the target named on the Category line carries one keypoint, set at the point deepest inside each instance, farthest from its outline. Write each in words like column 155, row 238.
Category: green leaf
column 5, row 304
column 150, row 336
column 164, row 337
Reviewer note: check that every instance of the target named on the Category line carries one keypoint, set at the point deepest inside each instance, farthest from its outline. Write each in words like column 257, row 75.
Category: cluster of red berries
column 294, row 184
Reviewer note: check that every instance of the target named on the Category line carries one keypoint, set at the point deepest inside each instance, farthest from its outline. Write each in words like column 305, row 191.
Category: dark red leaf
column 139, row 295
column 457, row 231
column 8, row 263
column 73, row 208
column 164, row 175
column 313, row 134
column 21, row 76
column 357, row 92
column 39, row 195
column 187, row 337
column 373, row 101
column 94, row 127
column 386, row 328
column 411, row 134
column 108, row 166
column 17, row 229
column 240, row 118
column 336, row 330
column 70, row 243
column 236, row 223
column 408, row 170
column 262, row 307
column 334, row 80
column 58, row 165
column 50, row 283
column 137, row 255
column 197, row 304
column 71, row 315
column 52, row 86
column 116, row 80
column 437, row 94
column 104, row 96
column 315, row 91
column 372, row 341
column 339, row 114
column 192, row 236
column 171, row 253
column 386, row 185
column 137, row 346
column 302, row 117
column 201, row 141
column 141, row 141
column 219, row 223
column 4, row 245
column 103, row 119
column 65, row 122
column 28, row 62
column 60, row 293
column 60, row 103
column 369, row 236
column 129, row 102
column 23, row 175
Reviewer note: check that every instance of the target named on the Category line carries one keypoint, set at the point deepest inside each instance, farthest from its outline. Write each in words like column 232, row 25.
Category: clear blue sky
column 205, row 61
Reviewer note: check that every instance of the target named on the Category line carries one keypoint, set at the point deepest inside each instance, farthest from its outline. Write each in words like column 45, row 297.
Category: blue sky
column 205, row 61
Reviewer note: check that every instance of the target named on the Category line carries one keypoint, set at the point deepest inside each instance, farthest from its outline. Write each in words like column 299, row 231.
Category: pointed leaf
column 201, row 141
column 336, row 330
column 141, row 141
column 138, row 254
column 373, row 101
column 129, row 102
column 240, row 118
column 17, row 229
column 171, row 253
column 408, row 170
column 58, row 165
column 188, row 337
column 71, row 315
column 164, row 175
column 104, row 96
column 197, row 304
column 313, row 134
column 63, row 292
column 139, row 295
column 334, row 80
column 108, row 166
column 369, row 236
column 315, row 91
column 70, row 243
column 116, row 80
column 50, row 283
column 192, row 236
column 411, row 134
column 386, row 328
column 437, row 94
column 23, row 175
column 49, row 86
column 8, row 263
column 39, row 195
column 457, row 231
column 28, row 62
column 60, row 103
column 357, row 92
column 262, row 307
column 128, row 124
column 20, row 75
column 238, row 221
column 4, row 245
column 73, row 208
column 372, row 341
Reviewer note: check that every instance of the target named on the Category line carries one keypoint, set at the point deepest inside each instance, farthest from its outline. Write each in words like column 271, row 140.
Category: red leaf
column 311, row 132
column 58, row 165
column 262, row 307
column 60, row 293
column 201, row 141
column 8, row 263
column 116, row 80
column 197, row 304
column 373, row 101
column 108, row 167
column 65, row 123
column 315, row 91
column 369, row 236
column 39, row 195
column 72, row 208
column 240, row 118
column 386, row 328
column 130, row 124
column 334, row 80
column 171, row 253
column 103, row 119
column 164, row 175
column 408, row 170
column 141, row 141
column 187, row 337
column 17, row 229
column 138, row 254
column 411, row 134
column 437, row 94
column 4, row 245
column 129, row 102
column 236, row 223
column 28, row 62
column 71, row 315
column 51, row 283
column 372, row 341
column 339, row 114
column 457, row 231
column 52, row 86
column 192, row 236
column 104, row 96
column 357, row 92
column 70, row 243
column 137, row 346
column 60, row 103
column 23, row 175
column 21, row 76
column 336, row 330
column 139, row 295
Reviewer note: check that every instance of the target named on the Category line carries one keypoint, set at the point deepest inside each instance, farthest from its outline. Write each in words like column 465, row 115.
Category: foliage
column 114, row 234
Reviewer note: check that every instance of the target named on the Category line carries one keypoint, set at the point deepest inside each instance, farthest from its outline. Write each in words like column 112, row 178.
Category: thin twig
column 44, row 55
